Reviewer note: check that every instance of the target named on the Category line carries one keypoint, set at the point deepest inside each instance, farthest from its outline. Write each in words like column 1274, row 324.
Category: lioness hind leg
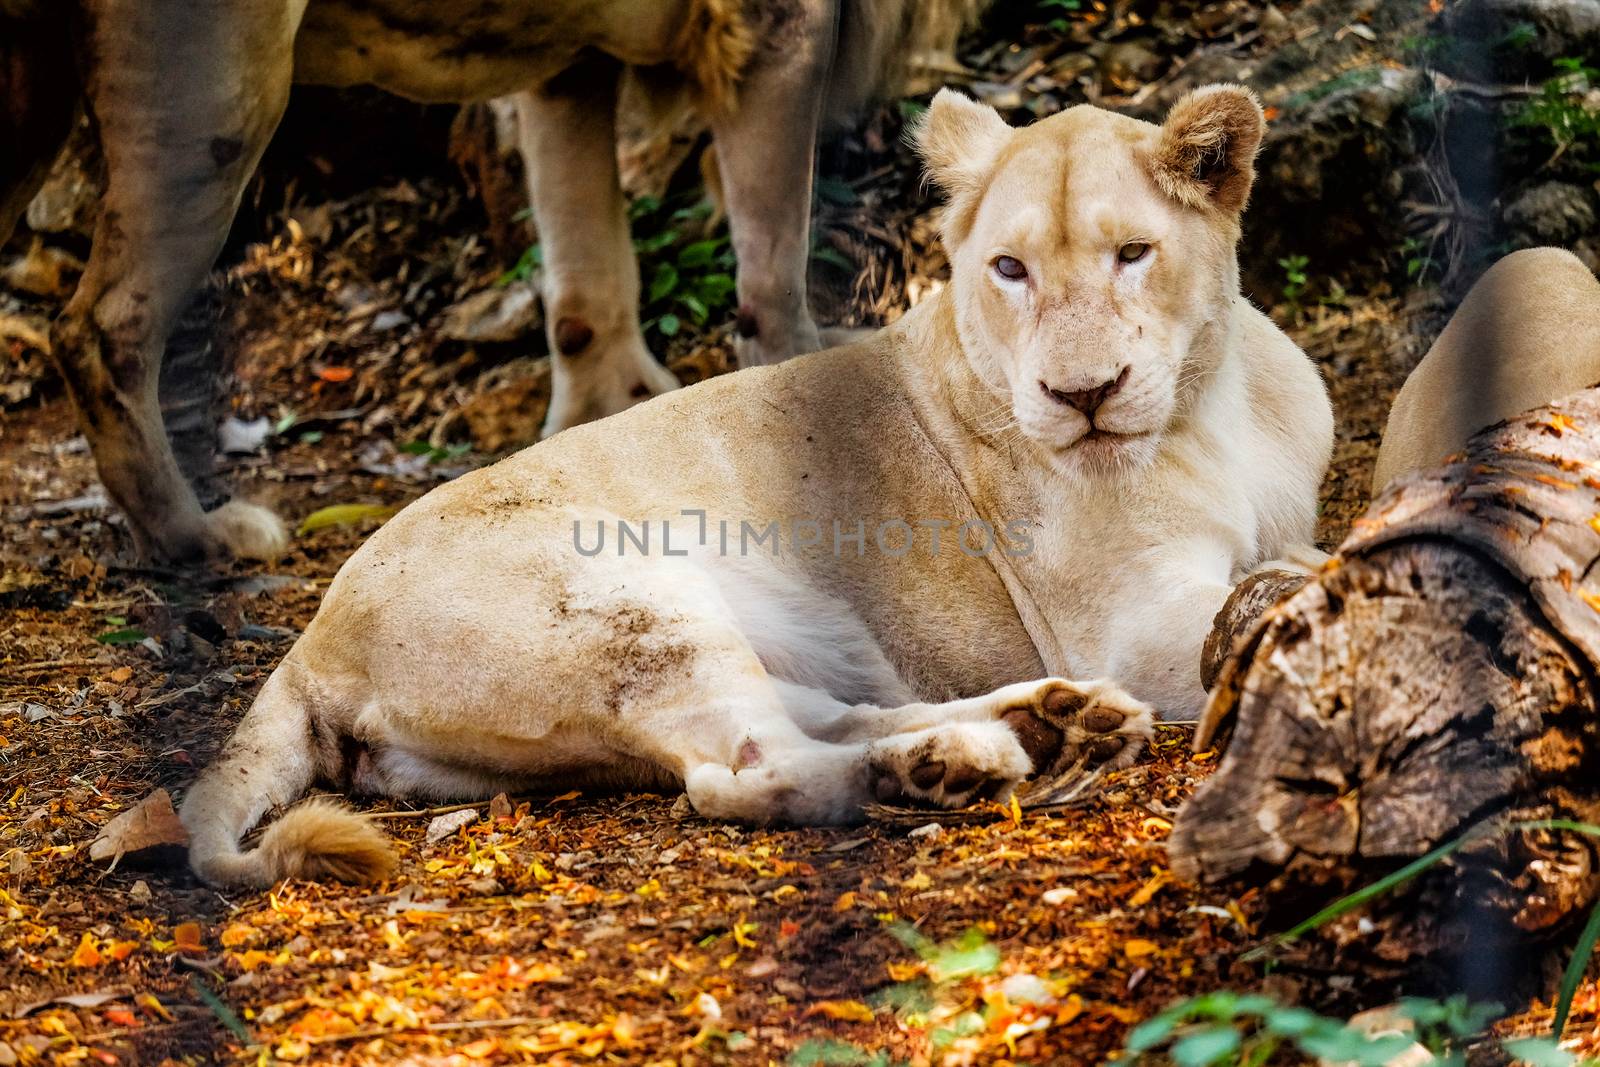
column 599, row 364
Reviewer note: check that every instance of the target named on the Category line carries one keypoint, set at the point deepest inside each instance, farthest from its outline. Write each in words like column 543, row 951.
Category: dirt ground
column 566, row 929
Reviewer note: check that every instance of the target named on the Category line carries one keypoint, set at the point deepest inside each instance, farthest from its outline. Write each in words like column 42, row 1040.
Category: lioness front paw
column 1063, row 722
column 947, row 766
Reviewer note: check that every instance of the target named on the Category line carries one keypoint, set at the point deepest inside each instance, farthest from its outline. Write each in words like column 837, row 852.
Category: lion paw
column 947, row 766
column 1063, row 722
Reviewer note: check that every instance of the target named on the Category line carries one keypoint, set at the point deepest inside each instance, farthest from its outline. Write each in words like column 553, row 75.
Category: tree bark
column 1439, row 672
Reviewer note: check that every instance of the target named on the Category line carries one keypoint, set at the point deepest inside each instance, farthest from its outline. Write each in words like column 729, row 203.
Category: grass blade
column 224, row 1014
column 1422, row 863
column 1361, row 896
column 1575, row 969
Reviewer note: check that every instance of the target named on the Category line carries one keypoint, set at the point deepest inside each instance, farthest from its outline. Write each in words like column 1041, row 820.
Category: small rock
column 444, row 825
column 929, row 831
column 140, row 893
column 8, row 1055
column 1058, row 896
column 707, row 1007
column 484, row 887
column 1550, row 213
column 237, row 437
column 503, row 313
column 385, row 321
column 500, row 807
column 1026, row 989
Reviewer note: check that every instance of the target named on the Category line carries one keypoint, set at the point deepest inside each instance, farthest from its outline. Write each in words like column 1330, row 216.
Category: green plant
column 685, row 263
column 1582, row 950
column 435, row 453
column 1419, row 257
column 1561, row 110
column 1295, row 280
column 1054, row 11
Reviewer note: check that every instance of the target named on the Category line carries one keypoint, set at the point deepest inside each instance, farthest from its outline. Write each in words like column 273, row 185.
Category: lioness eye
column 1010, row 269
column 1132, row 252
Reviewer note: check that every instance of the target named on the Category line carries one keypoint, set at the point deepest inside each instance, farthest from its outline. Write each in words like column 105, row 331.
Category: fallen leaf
column 443, row 826
column 187, row 939
column 150, row 831
column 341, row 515
column 1137, row 948
column 88, row 953
column 847, row 1010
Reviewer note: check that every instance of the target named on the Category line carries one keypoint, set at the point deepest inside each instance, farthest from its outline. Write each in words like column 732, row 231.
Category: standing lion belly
column 461, row 50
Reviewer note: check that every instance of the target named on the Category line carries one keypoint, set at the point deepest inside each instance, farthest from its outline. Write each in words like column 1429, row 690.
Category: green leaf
column 132, row 635
column 416, row 448
column 715, row 290
column 1152, row 1032
column 668, row 325
column 1206, row 1047
column 1539, row 1052
column 649, row 246
column 664, row 282
column 644, row 205
column 698, row 254
column 285, row 422
column 1291, row 1022
column 1346, row 1044
column 342, row 515
column 826, row 1052
column 311, row 437
column 968, row 955
column 697, row 309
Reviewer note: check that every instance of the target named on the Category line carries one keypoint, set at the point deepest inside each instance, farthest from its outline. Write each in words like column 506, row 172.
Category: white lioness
column 795, row 588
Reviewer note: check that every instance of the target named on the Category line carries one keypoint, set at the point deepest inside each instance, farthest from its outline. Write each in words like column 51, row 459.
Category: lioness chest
column 457, row 50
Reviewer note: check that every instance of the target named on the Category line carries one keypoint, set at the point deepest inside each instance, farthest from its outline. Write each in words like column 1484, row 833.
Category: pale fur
column 1527, row 333
column 470, row 647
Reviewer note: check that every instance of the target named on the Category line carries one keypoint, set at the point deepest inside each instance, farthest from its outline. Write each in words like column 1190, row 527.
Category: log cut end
column 1403, row 698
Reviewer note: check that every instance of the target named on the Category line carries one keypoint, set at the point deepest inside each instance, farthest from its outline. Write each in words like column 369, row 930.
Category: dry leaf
column 149, row 832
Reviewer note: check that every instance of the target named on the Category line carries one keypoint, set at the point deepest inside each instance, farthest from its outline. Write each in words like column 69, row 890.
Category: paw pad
column 1065, row 722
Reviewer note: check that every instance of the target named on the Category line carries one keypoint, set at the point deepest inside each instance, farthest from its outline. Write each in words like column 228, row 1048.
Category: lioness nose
column 1087, row 401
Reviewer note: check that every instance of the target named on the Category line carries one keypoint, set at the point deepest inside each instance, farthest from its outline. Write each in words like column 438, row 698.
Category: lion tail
column 879, row 42
column 270, row 761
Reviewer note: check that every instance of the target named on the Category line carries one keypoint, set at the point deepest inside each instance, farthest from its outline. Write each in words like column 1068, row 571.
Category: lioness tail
column 270, row 760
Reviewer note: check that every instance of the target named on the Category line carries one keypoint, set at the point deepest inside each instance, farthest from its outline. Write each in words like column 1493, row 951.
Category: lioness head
column 1092, row 259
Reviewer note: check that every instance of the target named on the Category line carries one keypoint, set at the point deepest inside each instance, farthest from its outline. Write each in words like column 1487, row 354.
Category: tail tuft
column 323, row 839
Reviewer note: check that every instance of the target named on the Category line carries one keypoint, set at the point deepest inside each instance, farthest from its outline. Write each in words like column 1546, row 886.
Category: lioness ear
column 1208, row 147
column 959, row 140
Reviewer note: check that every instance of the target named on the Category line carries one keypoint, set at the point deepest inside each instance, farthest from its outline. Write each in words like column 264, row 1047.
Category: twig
column 445, row 810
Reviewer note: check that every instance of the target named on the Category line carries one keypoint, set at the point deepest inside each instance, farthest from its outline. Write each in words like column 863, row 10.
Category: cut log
column 1437, row 675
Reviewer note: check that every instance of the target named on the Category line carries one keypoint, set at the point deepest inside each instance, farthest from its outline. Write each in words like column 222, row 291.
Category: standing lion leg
column 599, row 364
column 184, row 106
column 766, row 149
